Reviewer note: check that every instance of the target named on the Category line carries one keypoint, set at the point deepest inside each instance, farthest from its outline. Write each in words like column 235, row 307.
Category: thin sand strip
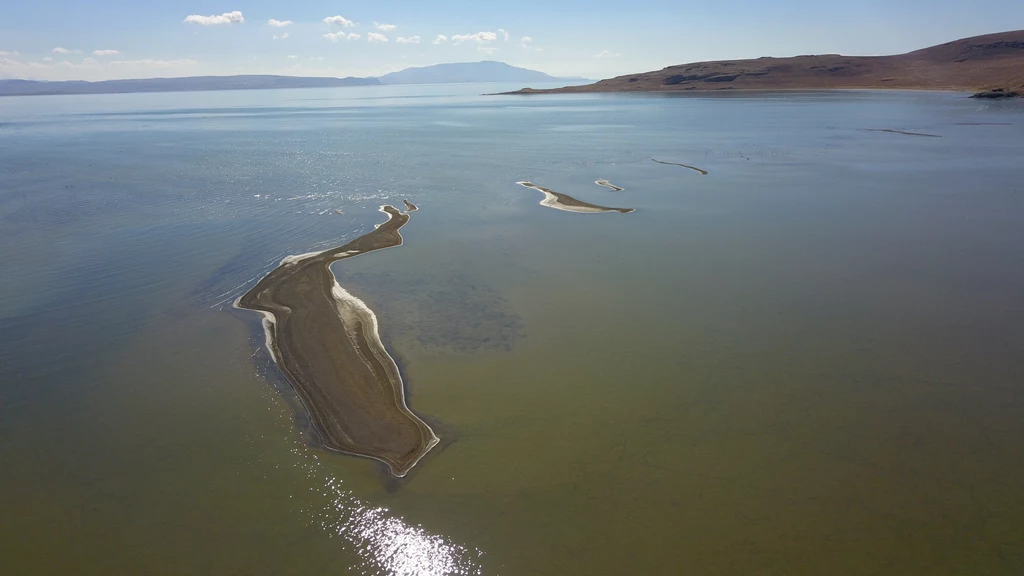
column 608, row 184
column 409, row 206
column 560, row 201
column 702, row 172
column 327, row 343
column 890, row 131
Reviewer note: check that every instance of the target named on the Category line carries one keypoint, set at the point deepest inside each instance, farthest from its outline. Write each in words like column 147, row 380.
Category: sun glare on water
column 389, row 545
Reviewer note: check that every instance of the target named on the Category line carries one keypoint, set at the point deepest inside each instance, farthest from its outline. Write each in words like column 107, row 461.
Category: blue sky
column 101, row 39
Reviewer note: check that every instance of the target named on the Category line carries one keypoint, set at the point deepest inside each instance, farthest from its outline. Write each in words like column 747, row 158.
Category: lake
column 808, row 361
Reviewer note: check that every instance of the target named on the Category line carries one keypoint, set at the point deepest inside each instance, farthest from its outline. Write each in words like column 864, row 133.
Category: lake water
column 809, row 361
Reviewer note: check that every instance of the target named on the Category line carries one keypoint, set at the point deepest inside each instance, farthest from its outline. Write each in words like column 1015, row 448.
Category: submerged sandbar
column 560, row 201
column 326, row 342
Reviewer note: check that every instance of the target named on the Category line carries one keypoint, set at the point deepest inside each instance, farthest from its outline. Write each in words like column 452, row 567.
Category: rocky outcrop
column 997, row 93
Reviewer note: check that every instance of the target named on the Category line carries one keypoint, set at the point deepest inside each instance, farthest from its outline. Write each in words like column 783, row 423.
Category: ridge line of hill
column 993, row 63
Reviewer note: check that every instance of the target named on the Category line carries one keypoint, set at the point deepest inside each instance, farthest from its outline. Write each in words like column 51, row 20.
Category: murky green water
column 809, row 361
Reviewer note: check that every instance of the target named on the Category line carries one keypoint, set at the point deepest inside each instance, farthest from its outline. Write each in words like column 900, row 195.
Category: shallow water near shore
column 807, row 361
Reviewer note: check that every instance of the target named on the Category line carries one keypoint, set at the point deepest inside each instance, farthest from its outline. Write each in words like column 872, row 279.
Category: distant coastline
column 187, row 84
column 462, row 72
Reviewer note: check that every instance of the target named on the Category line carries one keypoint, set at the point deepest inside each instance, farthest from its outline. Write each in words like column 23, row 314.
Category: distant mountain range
column 994, row 62
column 469, row 72
column 190, row 84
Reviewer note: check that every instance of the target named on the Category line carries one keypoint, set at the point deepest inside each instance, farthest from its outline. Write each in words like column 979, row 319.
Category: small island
column 327, row 345
column 609, row 185
column 560, row 201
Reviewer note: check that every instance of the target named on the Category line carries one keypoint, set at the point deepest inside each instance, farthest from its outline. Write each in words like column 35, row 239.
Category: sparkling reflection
column 387, row 544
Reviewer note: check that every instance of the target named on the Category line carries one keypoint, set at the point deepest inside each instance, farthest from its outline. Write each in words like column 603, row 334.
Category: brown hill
column 978, row 63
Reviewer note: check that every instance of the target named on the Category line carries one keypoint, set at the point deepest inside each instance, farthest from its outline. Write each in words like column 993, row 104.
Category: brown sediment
column 409, row 206
column 336, row 211
column 326, row 343
column 560, row 201
column 890, row 131
column 702, row 172
column 608, row 184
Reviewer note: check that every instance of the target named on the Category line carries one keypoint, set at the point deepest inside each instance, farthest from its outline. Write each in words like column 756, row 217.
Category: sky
column 106, row 39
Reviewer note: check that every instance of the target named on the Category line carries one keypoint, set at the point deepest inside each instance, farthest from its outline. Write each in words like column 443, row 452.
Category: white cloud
column 155, row 63
column 486, row 49
column 441, row 39
column 374, row 37
column 384, row 27
column 338, row 36
column 279, row 23
column 105, row 52
column 281, row 37
column 88, row 69
column 503, row 33
column 479, row 38
column 293, row 57
column 409, row 40
column 6, row 53
column 225, row 18
column 59, row 50
column 606, row 54
column 339, row 21
column 525, row 41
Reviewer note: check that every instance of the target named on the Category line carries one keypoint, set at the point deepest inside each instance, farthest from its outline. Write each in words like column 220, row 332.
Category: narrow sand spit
column 608, row 184
column 327, row 343
column 409, row 206
column 890, row 131
column 560, row 201
column 702, row 171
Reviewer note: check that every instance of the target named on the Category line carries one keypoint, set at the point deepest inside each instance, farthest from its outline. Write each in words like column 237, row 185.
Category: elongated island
column 567, row 203
column 326, row 342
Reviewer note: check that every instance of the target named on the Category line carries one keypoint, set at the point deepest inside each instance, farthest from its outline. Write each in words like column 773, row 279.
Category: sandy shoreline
column 327, row 343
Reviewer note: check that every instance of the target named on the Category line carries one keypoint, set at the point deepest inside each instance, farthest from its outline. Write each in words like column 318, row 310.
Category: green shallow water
column 808, row 361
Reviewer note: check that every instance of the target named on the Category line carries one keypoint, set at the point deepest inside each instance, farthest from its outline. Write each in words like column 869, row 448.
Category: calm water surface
column 809, row 361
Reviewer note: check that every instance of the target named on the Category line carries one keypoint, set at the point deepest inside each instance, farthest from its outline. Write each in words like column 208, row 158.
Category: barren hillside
column 978, row 63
